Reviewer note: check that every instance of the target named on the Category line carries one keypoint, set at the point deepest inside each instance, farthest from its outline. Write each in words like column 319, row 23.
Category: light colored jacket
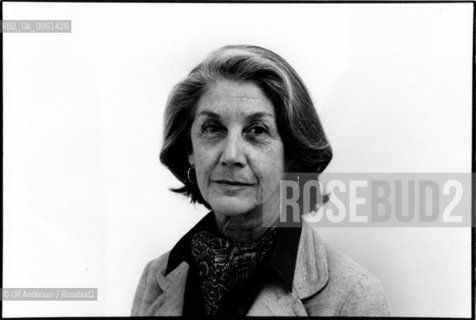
column 326, row 283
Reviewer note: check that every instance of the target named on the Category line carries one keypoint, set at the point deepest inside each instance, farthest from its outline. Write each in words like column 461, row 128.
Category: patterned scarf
column 224, row 265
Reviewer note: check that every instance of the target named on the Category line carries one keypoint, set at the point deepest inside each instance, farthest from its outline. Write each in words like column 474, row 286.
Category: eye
column 257, row 129
column 211, row 127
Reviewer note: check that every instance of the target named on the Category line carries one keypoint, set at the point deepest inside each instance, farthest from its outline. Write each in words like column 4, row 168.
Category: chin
column 230, row 206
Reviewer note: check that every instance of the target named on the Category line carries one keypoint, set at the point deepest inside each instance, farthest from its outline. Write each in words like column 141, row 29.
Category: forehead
column 230, row 98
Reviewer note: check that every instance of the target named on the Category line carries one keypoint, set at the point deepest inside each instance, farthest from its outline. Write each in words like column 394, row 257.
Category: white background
column 86, row 201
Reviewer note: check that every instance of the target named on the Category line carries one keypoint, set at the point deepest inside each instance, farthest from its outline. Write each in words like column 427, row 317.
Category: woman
column 233, row 127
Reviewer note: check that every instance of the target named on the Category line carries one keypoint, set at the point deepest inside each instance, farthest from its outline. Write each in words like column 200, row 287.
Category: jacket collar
column 170, row 302
column 311, row 273
column 310, row 276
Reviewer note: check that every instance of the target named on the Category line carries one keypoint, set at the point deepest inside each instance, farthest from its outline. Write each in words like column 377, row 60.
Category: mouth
column 233, row 183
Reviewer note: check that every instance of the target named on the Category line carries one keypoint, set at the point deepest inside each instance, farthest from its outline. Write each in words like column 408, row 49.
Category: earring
column 189, row 175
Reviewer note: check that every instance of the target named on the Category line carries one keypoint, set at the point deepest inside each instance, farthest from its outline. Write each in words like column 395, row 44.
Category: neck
column 249, row 226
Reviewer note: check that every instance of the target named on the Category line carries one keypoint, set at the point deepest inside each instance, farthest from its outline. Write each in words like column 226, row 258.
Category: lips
column 233, row 183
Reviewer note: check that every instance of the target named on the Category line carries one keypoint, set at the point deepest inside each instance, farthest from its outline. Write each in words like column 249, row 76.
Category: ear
column 191, row 159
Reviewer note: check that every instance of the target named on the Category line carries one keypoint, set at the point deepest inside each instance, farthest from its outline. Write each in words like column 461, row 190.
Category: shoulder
column 343, row 270
column 149, row 287
column 361, row 293
column 351, row 290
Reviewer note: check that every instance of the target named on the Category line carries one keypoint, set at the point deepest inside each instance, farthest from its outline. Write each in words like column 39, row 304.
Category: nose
column 233, row 151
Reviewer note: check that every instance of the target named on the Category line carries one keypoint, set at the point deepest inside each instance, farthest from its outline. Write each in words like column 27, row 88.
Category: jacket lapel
column 310, row 276
column 311, row 273
column 170, row 302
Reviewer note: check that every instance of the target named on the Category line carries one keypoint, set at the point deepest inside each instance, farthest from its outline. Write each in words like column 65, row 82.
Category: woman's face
column 237, row 152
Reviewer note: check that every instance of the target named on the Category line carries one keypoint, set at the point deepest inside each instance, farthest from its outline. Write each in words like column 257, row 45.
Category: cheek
column 269, row 168
column 202, row 168
column 204, row 164
column 272, row 178
column 201, row 155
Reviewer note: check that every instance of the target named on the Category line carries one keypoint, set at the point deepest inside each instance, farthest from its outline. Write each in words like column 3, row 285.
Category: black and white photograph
column 229, row 159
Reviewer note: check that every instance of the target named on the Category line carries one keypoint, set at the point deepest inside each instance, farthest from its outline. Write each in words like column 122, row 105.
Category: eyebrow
column 253, row 116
